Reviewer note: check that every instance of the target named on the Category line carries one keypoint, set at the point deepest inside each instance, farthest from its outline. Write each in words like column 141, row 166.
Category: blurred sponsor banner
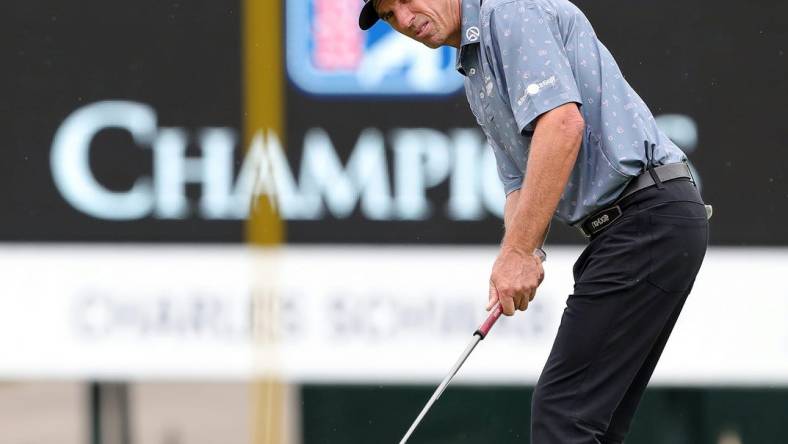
column 381, row 178
column 412, row 159
column 349, row 315
column 327, row 54
column 137, row 136
column 386, row 177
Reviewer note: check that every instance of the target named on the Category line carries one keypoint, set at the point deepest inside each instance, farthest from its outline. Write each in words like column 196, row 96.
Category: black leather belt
column 600, row 220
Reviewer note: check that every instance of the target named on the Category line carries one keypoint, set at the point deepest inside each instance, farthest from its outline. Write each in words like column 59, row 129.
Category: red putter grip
column 497, row 311
column 487, row 325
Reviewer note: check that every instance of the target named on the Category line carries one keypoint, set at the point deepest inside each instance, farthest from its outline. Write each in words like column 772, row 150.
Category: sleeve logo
column 535, row 88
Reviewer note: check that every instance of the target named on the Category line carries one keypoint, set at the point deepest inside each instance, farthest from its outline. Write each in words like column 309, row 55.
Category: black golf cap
column 368, row 16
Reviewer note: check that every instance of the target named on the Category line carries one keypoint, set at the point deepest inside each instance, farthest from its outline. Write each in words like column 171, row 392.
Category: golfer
column 573, row 140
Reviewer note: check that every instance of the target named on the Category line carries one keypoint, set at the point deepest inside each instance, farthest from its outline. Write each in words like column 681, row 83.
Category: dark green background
column 500, row 415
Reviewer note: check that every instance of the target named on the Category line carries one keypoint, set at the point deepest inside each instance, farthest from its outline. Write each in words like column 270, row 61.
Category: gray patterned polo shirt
column 522, row 58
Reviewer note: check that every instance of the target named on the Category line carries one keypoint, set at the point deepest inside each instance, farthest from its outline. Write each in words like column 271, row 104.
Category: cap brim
column 368, row 16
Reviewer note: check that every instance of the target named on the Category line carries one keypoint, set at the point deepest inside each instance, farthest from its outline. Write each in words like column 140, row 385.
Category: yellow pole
column 263, row 113
column 268, row 420
column 264, row 101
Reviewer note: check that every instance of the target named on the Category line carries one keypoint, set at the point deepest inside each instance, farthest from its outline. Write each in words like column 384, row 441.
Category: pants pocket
column 678, row 237
column 611, row 260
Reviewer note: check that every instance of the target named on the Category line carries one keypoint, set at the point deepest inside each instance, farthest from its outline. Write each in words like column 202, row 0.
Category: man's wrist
column 516, row 249
column 538, row 251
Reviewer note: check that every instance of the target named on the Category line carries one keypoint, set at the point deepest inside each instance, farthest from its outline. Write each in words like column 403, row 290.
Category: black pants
column 630, row 285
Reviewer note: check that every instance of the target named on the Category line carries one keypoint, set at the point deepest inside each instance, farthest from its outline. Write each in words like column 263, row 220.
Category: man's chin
column 432, row 43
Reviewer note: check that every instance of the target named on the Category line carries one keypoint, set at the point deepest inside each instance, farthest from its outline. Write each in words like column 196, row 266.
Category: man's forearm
column 553, row 152
column 512, row 199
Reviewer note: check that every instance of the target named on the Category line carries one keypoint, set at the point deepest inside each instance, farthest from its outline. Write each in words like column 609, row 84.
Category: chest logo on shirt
column 535, row 88
column 472, row 34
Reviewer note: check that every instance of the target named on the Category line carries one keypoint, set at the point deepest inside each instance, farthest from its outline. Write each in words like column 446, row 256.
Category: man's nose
column 404, row 18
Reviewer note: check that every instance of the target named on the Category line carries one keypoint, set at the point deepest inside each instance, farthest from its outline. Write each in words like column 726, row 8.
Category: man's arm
column 512, row 200
column 554, row 147
column 553, row 152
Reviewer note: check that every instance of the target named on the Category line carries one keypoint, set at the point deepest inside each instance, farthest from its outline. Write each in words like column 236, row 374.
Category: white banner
column 346, row 314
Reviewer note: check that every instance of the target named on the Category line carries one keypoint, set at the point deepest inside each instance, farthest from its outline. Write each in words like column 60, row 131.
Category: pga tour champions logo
column 327, row 54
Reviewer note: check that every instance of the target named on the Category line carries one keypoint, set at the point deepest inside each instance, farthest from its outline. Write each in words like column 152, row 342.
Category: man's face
column 432, row 22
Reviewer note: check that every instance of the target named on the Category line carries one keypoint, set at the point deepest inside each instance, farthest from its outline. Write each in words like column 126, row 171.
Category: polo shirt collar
column 470, row 29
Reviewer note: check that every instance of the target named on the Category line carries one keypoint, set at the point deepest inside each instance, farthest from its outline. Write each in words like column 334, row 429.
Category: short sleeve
column 511, row 176
column 530, row 59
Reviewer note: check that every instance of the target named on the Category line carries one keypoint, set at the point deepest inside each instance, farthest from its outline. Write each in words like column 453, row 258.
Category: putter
column 478, row 336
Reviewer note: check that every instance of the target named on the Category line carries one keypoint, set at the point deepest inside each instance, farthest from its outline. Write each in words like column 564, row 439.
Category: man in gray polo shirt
column 573, row 140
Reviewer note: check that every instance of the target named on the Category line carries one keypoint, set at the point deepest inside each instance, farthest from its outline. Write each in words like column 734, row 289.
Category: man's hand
column 514, row 279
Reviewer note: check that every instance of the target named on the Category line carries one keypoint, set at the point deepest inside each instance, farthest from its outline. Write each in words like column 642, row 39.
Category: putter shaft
column 478, row 335
column 442, row 387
